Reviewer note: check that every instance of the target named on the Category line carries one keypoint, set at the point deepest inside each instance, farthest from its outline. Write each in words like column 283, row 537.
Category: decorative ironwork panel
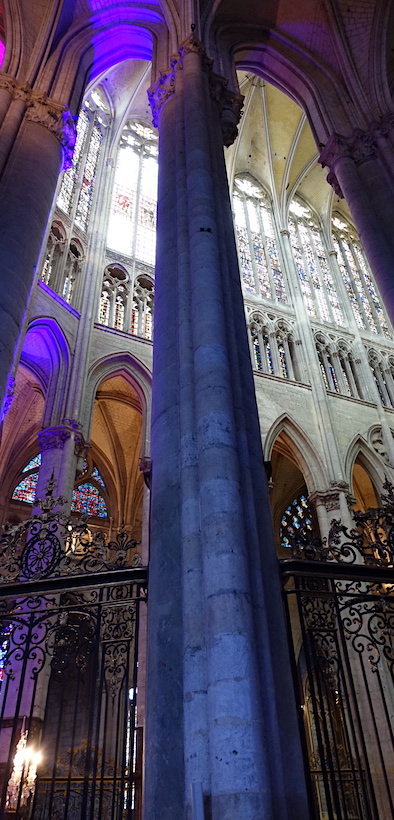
column 68, row 684
column 340, row 602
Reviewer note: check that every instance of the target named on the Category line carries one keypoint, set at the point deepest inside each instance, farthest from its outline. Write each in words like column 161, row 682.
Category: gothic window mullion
column 252, row 255
column 307, row 271
column 337, row 365
column 365, row 288
column 262, row 347
column 324, row 304
column 382, row 387
column 81, row 168
column 327, row 368
column 350, row 377
column 267, row 256
column 289, row 360
column 275, row 354
column 354, row 284
column 137, row 210
column 388, row 379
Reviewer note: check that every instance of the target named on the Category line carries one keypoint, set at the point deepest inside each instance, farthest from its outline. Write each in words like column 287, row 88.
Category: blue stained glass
column 296, row 523
column 87, row 499
column 35, row 462
column 97, row 476
column 26, row 489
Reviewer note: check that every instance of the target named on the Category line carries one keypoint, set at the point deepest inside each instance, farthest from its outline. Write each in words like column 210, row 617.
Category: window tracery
column 114, row 296
column 361, row 290
column 257, row 246
column 72, row 269
column 272, row 347
column 54, row 251
column 132, row 222
column 317, row 283
column 25, row 490
column 142, row 314
column 82, row 174
column 383, row 376
column 89, row 491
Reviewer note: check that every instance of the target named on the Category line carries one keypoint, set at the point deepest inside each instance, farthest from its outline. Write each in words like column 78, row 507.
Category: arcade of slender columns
column 216, row 633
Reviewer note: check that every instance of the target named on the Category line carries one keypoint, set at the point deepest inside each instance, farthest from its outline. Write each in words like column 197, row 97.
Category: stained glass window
column 361, row 290
column 35, row 462
column 26, row 489
column 104, row 308
column 296, row 525
column 97, row 476
column 257, row 248
column 87, row 499
column 89, row 172
column 70, row 177
column 119, row 312
column 132, row 223
column 317, row 284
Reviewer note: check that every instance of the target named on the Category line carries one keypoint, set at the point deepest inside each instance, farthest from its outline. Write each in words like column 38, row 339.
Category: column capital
column 53, row 438
column 230, row 102
column 57, row 118
column 47, row 112
column 330, row 499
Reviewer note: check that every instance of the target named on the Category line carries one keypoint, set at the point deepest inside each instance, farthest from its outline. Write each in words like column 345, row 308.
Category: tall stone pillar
column 36, row 136
column 220, row 705
column 358, row 172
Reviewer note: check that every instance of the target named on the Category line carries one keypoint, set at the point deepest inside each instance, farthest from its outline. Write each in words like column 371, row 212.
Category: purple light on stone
column 2, row 52
column 121, row 35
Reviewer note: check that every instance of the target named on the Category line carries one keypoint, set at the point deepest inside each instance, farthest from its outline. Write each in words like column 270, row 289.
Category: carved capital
column 359, row 147
column 160, row 92
column 8, row 83
column 230, row 105
column 229, row 102
column 332, row 180
column 331, row 499
column 57, row 119
column 53, row 438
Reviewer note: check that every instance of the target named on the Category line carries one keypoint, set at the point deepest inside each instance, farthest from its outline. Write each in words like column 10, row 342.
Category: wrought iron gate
column 340, row 605
column 70, row 746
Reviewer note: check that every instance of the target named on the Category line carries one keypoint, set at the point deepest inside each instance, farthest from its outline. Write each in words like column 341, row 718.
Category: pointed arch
column 139, row 378
column 368, row 458
column 304, row 453
column 46, row 353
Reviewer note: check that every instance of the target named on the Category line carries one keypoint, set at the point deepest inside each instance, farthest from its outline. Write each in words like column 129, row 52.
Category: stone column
column 42, row 137
column 357, row 173
column 61, row 448
column 220, row 706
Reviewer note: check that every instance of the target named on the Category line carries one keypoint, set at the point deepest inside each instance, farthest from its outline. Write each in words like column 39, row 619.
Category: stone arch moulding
column 371, row 461
column 55, row 381
column 90, row 51
column 140, row 380
column 305, row 453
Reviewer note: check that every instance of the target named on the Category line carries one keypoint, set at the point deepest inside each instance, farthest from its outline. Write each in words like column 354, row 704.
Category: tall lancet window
column 364, row 298
column 132, row 222
column 257, row 247
column 76, row 191
column 317, row 284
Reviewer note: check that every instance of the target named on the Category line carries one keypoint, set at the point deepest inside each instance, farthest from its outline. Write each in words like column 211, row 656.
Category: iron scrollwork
column 51, row 543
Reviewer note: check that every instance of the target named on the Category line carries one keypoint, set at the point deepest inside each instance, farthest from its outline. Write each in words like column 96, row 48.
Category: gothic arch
column 305, row 454
column 371, row 461
column 139, row 378
column 52, row 370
